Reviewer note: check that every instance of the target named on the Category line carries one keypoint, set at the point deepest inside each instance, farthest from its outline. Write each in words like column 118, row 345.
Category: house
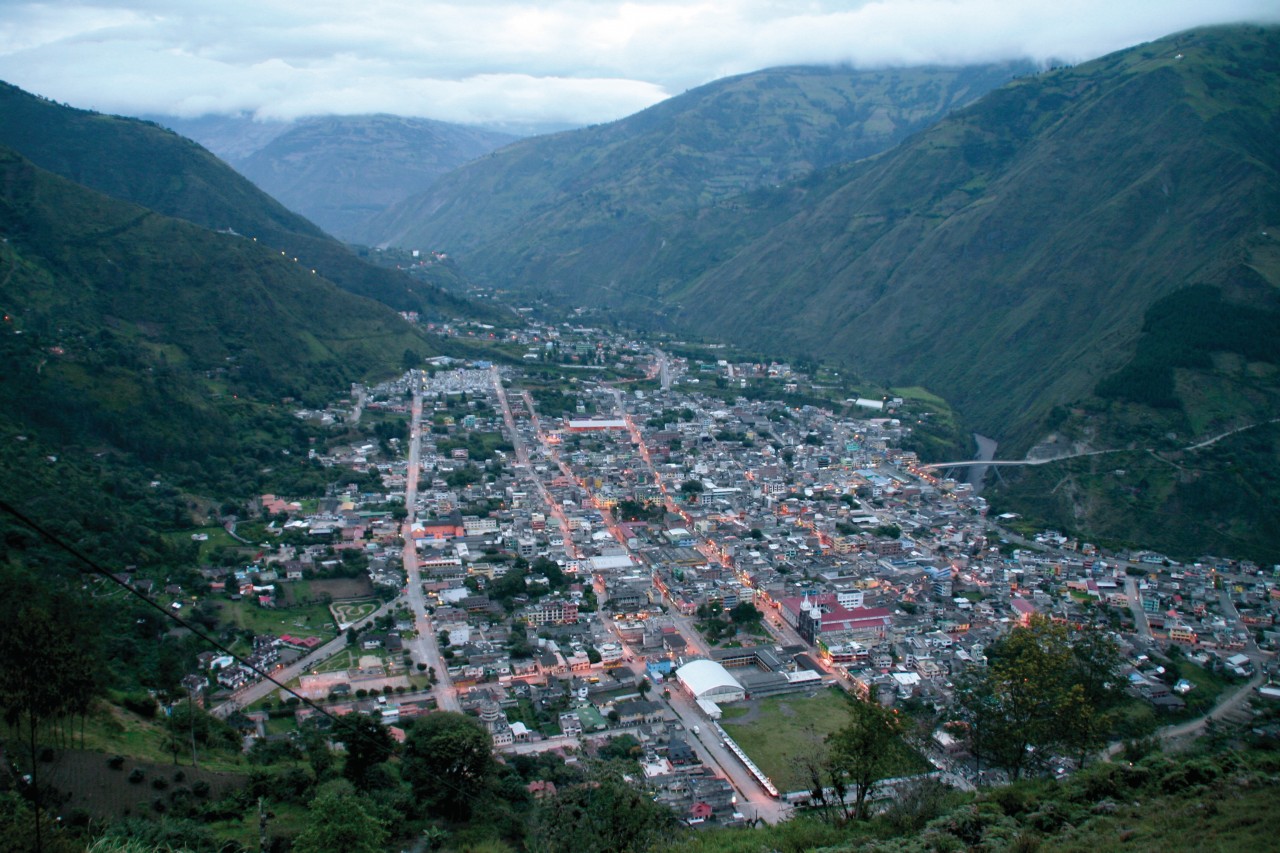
column 638, row 711
column 540, row 789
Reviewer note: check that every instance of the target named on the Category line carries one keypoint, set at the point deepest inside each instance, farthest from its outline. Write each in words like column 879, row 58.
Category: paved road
column 1227, row 703
column 753, row 802
column 424, row 647
column 1135, row 607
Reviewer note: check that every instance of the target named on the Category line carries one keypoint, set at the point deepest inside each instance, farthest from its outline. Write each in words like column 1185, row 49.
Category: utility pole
column 262, row 825
column 191, row 713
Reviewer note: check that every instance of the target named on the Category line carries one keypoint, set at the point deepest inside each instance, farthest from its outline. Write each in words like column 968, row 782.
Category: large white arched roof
column 707, row 678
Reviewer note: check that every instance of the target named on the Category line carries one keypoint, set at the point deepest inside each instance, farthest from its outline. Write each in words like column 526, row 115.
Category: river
column 986, row 452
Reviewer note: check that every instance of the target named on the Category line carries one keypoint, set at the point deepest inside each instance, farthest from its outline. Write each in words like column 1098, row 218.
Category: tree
column 341, row 820
column 604, row 814
column 866, row 750
column 447, row 760
column 315, row 745
column 46, row 675
column 1039, row 692
column 368, row 744
column 744, row 614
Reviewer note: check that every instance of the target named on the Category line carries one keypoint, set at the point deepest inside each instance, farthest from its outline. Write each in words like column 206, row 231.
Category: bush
column 159, row 783
column 136, row 775
column 116, row 762
column 200, row 789
column 143, row 704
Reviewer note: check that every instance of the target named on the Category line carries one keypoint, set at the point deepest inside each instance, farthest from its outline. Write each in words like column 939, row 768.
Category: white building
column 706, row 679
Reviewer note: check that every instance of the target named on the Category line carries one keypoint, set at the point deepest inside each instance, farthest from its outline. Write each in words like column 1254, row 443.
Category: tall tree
column 341, row 821
column 447, row 759
column 368, row 745
column 864, row 752
column 1039, row 692
column 603, row 815
column 45, row 675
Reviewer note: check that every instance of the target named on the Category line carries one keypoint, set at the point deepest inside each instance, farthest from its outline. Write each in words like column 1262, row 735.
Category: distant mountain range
column 340, row 171
column 574, row 193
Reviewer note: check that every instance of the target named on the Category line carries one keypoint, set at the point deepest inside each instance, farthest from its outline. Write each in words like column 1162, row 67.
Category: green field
column 218, row 538
column 313, row 620
column 774, row 731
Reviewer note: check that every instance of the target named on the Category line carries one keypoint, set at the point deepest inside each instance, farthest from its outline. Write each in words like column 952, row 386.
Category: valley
column 826, row 457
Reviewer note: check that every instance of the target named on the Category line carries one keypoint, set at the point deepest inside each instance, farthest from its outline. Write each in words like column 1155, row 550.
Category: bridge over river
column 970, row 463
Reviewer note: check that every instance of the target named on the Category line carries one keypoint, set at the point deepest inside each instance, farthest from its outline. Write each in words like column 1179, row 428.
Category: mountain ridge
column 338, row 171
column 143, row 163
column 706, row 145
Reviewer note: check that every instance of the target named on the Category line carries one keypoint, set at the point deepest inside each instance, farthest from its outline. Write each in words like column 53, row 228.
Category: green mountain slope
column 132, row 330
column 340, row 171
column 145, row 164
column 550, row 203
column 1006, row 256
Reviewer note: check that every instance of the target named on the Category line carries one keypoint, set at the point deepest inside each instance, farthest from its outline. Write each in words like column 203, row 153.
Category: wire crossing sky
column 551, row 61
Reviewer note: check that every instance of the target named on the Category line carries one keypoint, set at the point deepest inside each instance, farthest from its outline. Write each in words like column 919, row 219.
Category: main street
column 424, row 646
column 522, row 456
column 752, row 799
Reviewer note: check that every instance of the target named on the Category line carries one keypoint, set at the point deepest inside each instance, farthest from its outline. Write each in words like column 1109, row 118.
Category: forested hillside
column 141, row 162
column 543, row 209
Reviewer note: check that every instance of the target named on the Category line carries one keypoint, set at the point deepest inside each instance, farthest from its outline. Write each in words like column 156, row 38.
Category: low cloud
column 563, row 61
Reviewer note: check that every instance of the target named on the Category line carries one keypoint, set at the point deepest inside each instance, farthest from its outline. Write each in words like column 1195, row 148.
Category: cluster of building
column 654, row 507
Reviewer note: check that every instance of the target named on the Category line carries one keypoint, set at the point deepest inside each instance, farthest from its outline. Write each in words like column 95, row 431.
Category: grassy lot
column 1208, row 688
column 92, row 786
column 313, row 620
column 115, row 731
column 773, row 731
column 218, row 538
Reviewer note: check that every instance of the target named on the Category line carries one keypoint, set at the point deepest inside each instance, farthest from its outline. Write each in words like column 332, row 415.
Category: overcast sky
column 554, row 61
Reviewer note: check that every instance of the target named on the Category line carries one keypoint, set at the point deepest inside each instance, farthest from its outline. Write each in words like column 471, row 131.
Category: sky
column 552, row 62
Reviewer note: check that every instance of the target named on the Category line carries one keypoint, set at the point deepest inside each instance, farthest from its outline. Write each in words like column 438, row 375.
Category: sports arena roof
column 707, row 679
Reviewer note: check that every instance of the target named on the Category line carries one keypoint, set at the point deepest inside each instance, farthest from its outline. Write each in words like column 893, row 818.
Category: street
column 424, row 646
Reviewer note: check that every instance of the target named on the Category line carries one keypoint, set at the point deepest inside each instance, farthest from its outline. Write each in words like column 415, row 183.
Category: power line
column 96, row 569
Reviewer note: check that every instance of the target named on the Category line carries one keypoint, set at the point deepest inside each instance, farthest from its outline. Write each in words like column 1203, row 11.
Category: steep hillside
column 142, row 163
column 340, row 171
column 1099, row 239
column 132, row 330
column 574, row 198
column 1006, row 257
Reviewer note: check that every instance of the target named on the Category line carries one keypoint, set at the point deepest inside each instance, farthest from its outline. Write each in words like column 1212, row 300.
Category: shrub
column 136, row 775
column 159, row 783
column 116, row 762
column 142, row 704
